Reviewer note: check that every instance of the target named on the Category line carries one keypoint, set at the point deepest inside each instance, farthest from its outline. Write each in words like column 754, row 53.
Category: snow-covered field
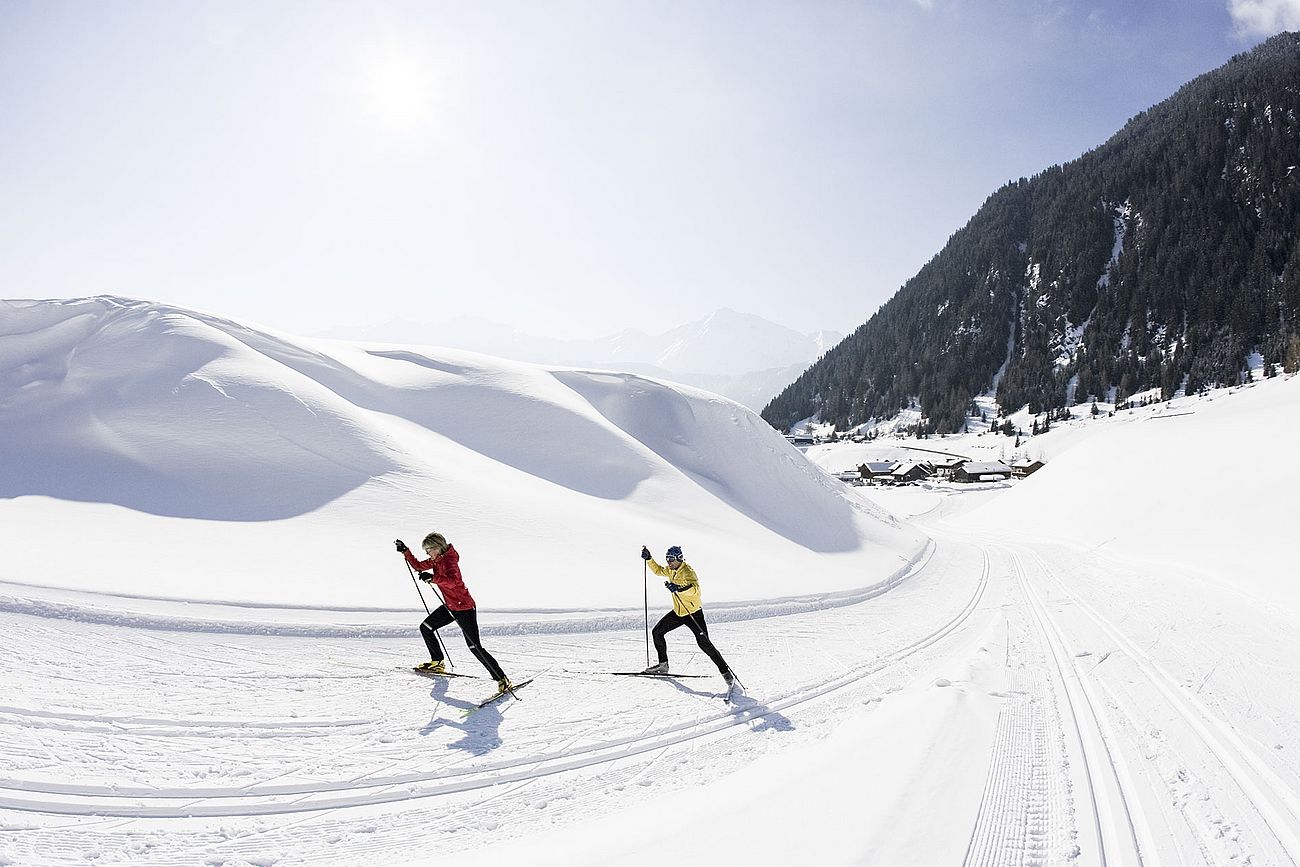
column 206, row 628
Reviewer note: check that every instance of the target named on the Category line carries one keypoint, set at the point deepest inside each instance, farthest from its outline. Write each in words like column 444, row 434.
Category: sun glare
column 399, row 91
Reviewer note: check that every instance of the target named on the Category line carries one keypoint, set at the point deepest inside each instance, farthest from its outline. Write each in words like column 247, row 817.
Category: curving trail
column 314, row 746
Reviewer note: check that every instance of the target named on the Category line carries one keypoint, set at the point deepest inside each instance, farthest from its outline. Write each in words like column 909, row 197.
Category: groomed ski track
column 1115, row 734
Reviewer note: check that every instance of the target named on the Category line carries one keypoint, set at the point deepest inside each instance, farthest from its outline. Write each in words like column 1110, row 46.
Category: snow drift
column 158, row 450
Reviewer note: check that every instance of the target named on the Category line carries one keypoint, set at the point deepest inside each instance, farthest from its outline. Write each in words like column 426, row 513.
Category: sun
column 399, row 90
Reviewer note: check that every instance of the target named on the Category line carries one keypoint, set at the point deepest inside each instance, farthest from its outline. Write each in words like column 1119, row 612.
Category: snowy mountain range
column 738, row 355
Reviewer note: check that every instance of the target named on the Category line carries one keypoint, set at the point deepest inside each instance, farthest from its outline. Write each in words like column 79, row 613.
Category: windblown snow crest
column 174, row 414
column 169, row 412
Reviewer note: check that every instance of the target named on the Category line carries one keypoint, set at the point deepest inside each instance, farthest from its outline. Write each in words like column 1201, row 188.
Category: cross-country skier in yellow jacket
column 688, row 610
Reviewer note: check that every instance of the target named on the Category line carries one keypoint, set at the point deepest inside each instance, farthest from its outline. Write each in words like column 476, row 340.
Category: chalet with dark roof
column 907, row 473
column 974, row 471
column 1023, row 469
column 876, row 471
column 946, row 468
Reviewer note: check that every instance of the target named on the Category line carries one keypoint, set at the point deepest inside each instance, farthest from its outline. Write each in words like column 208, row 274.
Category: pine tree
column 1291, row 360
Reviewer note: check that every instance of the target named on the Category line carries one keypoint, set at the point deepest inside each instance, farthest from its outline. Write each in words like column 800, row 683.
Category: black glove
column 426, row 576
column 401, row 546
column 645, row 553
column 676, row 588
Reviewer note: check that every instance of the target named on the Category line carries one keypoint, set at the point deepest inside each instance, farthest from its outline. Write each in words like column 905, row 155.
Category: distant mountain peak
column 740, row 355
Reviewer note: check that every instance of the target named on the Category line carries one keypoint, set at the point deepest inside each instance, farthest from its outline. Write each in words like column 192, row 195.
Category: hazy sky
column 567, row 168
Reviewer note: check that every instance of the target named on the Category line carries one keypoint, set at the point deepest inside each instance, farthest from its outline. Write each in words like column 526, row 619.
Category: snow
column 858, row 770
column 1224, row 469
column 207, row 629
column 133, row 423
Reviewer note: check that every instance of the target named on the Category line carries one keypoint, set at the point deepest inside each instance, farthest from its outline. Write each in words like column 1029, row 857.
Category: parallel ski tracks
column 1024, row 813
column 260, row 799
column 1118, row 832
column 1115, row 830
column 1275, row 802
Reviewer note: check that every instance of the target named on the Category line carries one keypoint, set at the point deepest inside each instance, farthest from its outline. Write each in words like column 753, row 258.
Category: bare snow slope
column 154, row 450
column 1207, row 480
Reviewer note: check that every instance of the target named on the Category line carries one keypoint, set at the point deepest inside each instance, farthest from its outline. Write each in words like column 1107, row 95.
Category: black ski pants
column 467, row 620
column 693, row 621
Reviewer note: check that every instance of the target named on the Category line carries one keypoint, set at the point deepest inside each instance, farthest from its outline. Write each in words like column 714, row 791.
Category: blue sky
column 570, row 169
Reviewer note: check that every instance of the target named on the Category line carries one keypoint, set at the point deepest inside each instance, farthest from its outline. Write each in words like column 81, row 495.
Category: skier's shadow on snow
column 759, row 716
column 480, row 730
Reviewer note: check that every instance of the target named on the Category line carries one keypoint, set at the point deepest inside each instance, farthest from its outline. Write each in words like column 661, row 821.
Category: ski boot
column 657, row 668
column 504, row 686
column 436, row 666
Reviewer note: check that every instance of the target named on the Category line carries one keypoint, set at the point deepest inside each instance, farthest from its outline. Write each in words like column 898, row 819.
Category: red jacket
column 446, row 574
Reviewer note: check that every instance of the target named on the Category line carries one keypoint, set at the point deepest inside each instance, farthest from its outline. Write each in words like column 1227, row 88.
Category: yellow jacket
column 684, row 601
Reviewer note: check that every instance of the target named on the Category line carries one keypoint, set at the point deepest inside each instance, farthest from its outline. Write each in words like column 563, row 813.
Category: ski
column 644, row 674
column 514, row 687
column 442, row 674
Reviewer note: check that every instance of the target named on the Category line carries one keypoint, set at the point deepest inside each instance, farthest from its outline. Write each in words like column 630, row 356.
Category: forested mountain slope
column 1163, row 258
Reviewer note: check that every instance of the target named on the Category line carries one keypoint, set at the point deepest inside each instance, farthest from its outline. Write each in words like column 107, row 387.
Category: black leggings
column 467, row 620
column 693, row 621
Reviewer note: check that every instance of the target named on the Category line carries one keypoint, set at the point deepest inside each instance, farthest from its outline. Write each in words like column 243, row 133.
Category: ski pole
column 436, row 636
column 645, row 592
column 704, row 629
column 417, row 589
column 443, row 603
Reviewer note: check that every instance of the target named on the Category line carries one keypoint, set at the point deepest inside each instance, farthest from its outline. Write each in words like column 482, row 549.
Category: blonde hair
column 436, row 539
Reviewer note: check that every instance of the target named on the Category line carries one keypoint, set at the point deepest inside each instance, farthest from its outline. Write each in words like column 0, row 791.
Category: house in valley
column 975, row 471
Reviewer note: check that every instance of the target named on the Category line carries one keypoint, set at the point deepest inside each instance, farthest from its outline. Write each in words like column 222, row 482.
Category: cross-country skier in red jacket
column 443, row 570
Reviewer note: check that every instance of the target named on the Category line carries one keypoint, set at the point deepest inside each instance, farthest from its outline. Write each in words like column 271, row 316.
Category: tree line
column 1161, row 259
